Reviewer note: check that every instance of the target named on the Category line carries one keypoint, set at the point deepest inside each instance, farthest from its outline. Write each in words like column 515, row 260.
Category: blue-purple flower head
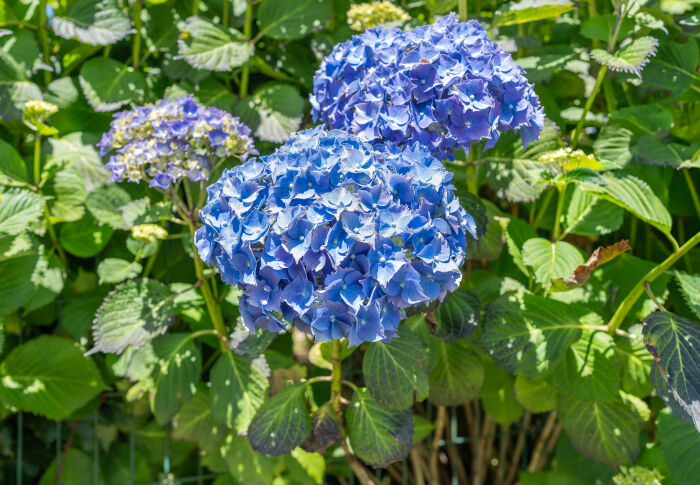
column 444, row 85
column 336, row 236
column 172, row 139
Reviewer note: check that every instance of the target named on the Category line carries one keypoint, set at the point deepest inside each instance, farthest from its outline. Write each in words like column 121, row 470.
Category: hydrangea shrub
column 335, row 236
column 445, row 85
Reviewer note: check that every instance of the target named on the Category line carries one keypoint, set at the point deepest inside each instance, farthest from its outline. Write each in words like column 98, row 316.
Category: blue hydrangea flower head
column 444, row 85
column 174, row 138
column 336, row 236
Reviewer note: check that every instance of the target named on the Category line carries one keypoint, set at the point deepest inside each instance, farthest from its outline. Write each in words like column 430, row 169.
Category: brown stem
column 358, row 468
column 417, row 463
column 542, row 441
column 454, row 454
column 504, row 444
column 439, row 428
column 490, row 434
column 476, row 440
column 518, row 450
column 69, row 442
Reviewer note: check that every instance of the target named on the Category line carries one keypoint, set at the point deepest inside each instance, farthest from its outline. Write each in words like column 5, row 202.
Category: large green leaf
column 76, row 469
column 245, row 464
column 458, row 316
column 395, row 372
column 16, row 286
column 19, row 208
column 690, row 289
column 109, row 84
column 490, row 245
column 133, row 314
column 605, row 431
column 238, row 389
column 48, row 376
column 78, row 151
column 457, row 376
column 176, row 374
column 529, row 338
column 280, row 108
column 206, row 45
column 12, row 167
column 282, row 423
column 84, row 238
column 501, row 403
column 47, row 279
column 674, row 342
column 378, row 435
column 550, row 260
column 535, row 395
column 613, row 145
column 631, row 58
column 633, row 195
column 674, row 67
column 531, row 11
column 194, row 422
column 67, row 192
column 679, row 443
column 116, row 270
column 94, row 22
column 589, row 369
column 104, row 204
column 281, row 19
column 588, row 215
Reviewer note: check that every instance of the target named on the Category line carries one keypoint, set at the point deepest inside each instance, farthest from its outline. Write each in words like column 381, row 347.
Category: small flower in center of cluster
column 335, row 236
column 174, row 138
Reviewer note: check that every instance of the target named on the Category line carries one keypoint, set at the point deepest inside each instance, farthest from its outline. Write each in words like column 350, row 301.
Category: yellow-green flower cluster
column 569, row 159
column 36, row 112
column 637, row 475
column 363, row 16
column 148, row 233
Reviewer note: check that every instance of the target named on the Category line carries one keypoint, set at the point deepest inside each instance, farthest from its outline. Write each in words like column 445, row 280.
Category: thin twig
column 439, row 427
column 542, row 441
column 416, row 463
column 358, row 468
column 490, row 434
column 519, row 445
column 69, row 442
column 647, row 288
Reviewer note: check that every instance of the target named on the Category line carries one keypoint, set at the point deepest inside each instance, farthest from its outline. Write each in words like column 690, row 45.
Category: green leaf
column 140, row 211
column 281, row 19
column 604, row 431
column 589, row 369
column 601, row 27
column 115, row 270
column 378, row 435
column 529, row 338
column 282, row 423
column 676, row 439
column 280, row 108
column 84, row 238
column 78, row 151
column 74, row 112
column 535, row 395
column 588, row 215
column 458, row 316
column 194, row 422
column 635, row 362
column 633, row 195
column 76, row 468
column 613, row 145
column 631, row 58
column 674, row 67
column 690, row 289
column 12, row 167
column 49, row 376
column 19, row 208
column 501, row 404
column 79, row 312
column 674, row 342
column 458, row 375
column 531, row 11
column 133, row 314
column 238, row 389
column 67, row 189
column 206, row 45
column 176, row 374
column 246, row 465
column 395, row 372
column 109, row 84
column 14, row 95
column 16, row 286
column 94, row 22
column 517, row 231
column 325, row 431
column 490, row 245
column 104, row 204
column 550, row 260
column 47, row 279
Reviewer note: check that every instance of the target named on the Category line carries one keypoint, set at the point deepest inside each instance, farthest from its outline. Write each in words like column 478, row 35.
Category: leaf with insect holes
column 631, row 58
column 674, row 342
column 600, row 256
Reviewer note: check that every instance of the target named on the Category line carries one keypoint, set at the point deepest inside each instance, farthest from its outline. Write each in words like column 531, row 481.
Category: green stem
column 152, row 259
column 224, row 13
column 136, row 48
column 557, row 215
column 543, row 208
column 693, row 192
column 336, row 377
column 589, row 103
column 213, row 308
column 37, row 159
column 463, row 11
column 636, row 292
column 54, row 239
column 247, row 32
column 44, row 40
column 195, row 7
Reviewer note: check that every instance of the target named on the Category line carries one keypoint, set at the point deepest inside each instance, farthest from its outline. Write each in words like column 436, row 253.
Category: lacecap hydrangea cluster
column 444, row 85
column 335, row 236
column 174, row 138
